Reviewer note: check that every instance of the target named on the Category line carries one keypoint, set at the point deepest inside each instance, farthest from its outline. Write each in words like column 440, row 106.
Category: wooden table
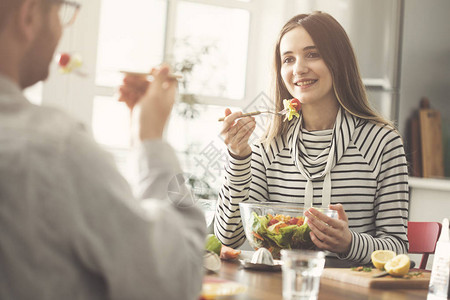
column 263, row 285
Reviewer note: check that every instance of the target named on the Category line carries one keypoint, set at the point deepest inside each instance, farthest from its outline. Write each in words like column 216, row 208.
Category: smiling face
column 304, row 72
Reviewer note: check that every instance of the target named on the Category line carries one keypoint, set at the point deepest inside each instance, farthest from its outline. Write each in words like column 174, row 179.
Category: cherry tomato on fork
column 296, row 104
column 64, row 59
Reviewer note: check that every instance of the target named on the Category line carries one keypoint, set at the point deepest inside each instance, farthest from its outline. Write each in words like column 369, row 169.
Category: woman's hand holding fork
column 236, row 132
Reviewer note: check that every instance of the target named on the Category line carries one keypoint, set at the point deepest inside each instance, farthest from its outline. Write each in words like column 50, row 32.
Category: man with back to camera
column 70, row 226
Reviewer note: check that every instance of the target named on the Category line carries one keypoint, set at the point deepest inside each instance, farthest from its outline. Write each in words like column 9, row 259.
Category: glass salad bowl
column 277, row 226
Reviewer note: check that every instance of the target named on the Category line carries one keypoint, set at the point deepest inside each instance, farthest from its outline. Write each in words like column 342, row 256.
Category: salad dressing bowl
column 278, row 226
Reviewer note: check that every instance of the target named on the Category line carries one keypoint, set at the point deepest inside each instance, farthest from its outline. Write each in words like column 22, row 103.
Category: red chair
column 422, row 238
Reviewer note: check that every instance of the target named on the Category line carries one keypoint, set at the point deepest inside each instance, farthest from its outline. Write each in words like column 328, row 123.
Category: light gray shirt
column 70, row 227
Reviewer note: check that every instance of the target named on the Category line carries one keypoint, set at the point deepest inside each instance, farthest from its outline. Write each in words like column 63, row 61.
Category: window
column 211, row 43
column 214, row 39
column 133, row 43
column 112, row 121
column 212, row 35
column 150, row 32
column 199, row 146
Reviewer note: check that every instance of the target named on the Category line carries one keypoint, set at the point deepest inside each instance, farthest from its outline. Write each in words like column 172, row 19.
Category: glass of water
column 209, row 208
column 301, row 273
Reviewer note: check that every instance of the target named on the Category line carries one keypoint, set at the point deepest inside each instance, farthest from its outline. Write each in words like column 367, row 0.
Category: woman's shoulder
column 269, row 151
column 372, row 129
column 370, row 136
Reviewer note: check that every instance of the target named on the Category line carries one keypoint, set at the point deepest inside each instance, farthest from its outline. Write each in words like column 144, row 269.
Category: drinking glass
column 301, row 273
column 209, row 208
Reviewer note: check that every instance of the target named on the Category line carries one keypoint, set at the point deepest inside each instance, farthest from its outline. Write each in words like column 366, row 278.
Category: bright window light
column 215, row 39
column 34, row 93
column 198, row 142
column 131, row 38
column 111, row 122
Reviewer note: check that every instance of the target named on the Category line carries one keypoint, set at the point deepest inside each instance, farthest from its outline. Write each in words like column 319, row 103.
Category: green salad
column 280, row 232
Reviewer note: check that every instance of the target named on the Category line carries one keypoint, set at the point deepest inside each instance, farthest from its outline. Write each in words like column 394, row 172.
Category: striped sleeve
column 391, row 201
column 245, row 180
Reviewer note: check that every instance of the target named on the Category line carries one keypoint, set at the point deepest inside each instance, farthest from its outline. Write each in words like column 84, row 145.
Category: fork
column 171, row 75
column 255, row 113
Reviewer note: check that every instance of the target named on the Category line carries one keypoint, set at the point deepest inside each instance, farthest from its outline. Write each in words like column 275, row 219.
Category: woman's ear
column 29, row 19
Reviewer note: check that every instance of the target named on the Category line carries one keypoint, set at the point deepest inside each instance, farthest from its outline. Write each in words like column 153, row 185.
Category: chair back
column 422, row 237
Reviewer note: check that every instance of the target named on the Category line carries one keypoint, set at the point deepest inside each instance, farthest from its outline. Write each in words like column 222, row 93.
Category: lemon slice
column 381, row 257
column 398, row 266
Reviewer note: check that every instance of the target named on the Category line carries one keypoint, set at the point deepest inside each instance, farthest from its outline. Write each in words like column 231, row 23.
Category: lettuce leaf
column 301, row 238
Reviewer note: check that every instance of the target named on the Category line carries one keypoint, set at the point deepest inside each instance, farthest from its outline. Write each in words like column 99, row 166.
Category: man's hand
column 133, row 89
column 151, row 110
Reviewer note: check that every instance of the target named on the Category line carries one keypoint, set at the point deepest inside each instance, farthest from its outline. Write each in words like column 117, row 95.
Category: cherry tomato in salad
column 293, row 221
column 273, row 221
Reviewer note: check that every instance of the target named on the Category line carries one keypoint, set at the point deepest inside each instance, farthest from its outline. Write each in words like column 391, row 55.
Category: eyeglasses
column 68, row 11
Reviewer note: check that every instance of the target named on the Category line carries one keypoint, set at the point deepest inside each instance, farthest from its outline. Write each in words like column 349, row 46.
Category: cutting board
column 431, row 140
column 415, row 147
column 365, row 279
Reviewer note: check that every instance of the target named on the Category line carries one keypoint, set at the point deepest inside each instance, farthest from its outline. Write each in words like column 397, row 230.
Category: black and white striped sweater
column 370, row 180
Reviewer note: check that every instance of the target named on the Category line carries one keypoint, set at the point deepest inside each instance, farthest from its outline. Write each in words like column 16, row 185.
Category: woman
column 339, row 153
